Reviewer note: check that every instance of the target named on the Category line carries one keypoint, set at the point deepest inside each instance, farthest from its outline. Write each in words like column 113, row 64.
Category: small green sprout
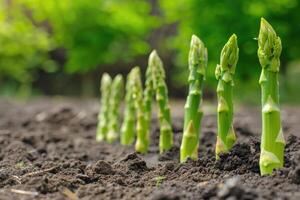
column 20, row 165
column 159, row 180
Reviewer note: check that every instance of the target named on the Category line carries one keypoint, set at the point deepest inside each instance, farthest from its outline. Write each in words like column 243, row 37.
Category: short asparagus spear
column 103, row 117
column 272, row 142
column 116, row 95
column 224, row 73
column 128, row 126
column 193, row 112
column 166, row 132
column 142, row 141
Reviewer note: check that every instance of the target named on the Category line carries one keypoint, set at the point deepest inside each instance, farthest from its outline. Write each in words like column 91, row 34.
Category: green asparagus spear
column 272, row 142
column 160, row 87
column 193, row 113
column 103, row 117
column 128, row 126
column 147, row 101
column 224, row 73
column 114, row 107
column 142, row 141
column 148, row 95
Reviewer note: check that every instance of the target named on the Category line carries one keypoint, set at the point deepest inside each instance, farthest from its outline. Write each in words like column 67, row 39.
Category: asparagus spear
column 193, row 113
column 148, row 95
column 166, row 133
column 142, row 141
column 103, row 117
column 224, row 73
column 147, row 101
column 272, row 141
column 128, row 126
column 114, row 106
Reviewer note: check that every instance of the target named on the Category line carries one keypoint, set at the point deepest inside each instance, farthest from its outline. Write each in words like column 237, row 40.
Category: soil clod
column 135, row 163
column 100, row 167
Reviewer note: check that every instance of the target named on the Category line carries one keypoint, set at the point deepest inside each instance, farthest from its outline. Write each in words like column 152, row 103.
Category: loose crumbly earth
column 48, row 151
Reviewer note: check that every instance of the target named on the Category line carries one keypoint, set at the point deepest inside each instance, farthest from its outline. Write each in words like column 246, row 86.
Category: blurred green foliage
column 214, row 21
column 93, row 34
column 23, row 46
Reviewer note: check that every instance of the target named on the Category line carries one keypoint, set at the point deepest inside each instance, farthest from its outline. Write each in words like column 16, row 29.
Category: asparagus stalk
column 129, row 117
column 114, row 106
column 103, row 117
column 128, row 126
column 193, row 113
column 224, row 73
column 272, row 142
column 148, row 95
column 166, row 132
column 142, row 141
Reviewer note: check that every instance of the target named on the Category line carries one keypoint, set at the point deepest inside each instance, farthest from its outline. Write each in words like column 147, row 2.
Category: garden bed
column 48, row 151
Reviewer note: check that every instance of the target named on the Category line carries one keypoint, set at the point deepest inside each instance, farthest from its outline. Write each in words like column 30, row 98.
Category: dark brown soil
column 48, row 151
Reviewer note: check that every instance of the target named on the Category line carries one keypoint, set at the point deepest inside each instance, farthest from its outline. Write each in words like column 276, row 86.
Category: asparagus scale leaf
column 224, row 74
column 128, row 126
column 115, row 99
column 161, row 90
column 272, row 141
column 103, row 117
column 193, row 113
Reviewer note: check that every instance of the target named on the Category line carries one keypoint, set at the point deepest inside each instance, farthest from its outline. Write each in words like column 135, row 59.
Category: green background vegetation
column 61, row 47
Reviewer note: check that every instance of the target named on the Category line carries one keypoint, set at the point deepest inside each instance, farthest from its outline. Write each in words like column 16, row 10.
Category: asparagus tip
column 105, row 81
column 106, row 77
column 119, row 79
column 233, row 38
column 266, row 29
column 135, row 70
column 198, row 52
column 265, row 23
column 262, row 21
column 269, row 44
column 195, row 41
column 230, row 54
column 154, row 59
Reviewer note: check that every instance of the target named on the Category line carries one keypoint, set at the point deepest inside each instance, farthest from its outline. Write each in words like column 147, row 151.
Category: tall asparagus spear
column 193, row 113
column 114, row 107
column 128, row 126
column 224, row 73
column 166, row 133
column 142, row 141
column 272, row 142
column 103, row 117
